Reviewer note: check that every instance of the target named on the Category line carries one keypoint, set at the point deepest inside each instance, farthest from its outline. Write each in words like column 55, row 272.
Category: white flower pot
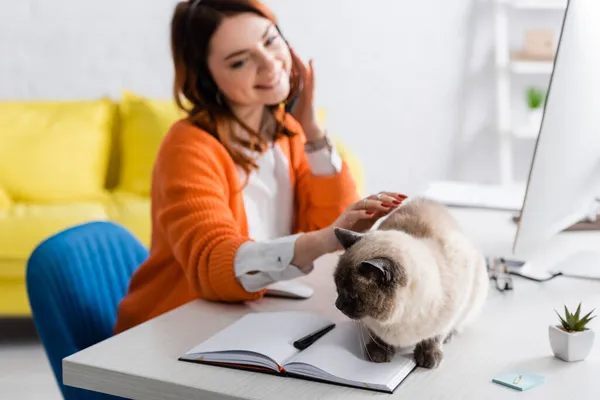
column 535, row 118
column 568, row 346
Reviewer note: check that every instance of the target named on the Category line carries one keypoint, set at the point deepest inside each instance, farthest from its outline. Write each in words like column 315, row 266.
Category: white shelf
column 526, row 132
column 537, row 4
column 532, row 67
column 511, row 64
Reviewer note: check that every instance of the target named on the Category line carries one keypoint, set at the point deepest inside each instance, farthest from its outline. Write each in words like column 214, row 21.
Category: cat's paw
column 379, row 353
column 428, row 354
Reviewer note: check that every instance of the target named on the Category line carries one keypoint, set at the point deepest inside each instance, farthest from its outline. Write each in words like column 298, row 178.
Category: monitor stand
column 582, row 264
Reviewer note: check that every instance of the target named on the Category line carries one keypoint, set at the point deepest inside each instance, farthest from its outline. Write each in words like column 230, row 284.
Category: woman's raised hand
column 305, row 112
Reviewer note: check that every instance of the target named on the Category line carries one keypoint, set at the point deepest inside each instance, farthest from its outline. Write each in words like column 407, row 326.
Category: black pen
column 309, row 339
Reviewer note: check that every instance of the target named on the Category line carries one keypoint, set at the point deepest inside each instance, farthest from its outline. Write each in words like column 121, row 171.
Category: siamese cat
column 413, row 281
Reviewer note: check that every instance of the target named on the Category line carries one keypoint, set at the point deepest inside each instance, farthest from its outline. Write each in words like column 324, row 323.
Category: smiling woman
column 237, row 65
column 230, row 56
column 245, row 192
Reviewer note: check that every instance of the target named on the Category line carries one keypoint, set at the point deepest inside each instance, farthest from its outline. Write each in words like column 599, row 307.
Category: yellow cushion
column 13, row 297
column 133, row 212
column 354, row 164
column 54, row 151
column 26, row 225
column 5, row 201
column 144, row 123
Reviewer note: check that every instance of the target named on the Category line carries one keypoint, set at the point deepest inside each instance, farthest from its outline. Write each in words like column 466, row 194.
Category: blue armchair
column 75, row 280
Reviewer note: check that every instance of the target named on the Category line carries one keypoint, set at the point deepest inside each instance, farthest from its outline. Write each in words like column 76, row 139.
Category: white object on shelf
column 535, row 118
column 477, row 195
column 531, row 129
column 532, row 67
column 526, row 132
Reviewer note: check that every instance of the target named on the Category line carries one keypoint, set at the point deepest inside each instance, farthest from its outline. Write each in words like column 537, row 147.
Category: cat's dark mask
column 365, row 286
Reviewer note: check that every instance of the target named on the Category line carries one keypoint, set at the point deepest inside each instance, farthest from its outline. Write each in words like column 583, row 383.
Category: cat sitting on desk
column 414, row 281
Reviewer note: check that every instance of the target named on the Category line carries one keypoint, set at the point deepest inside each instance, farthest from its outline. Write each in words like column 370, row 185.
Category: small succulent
column 573, row 322
column 535, row 98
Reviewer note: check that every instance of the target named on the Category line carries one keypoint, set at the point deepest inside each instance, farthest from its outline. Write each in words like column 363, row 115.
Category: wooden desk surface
column 511, row 334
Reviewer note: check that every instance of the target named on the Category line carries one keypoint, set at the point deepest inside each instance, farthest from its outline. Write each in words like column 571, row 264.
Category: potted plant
column 535, row 103
column 571, row 340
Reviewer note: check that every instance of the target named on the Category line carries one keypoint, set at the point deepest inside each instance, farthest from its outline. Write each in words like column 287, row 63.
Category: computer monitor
column 564, row 178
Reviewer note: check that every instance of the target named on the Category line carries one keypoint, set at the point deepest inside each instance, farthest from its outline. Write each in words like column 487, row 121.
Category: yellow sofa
column 63, row 163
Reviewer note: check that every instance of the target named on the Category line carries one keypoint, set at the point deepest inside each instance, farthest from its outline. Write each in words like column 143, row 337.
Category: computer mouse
column 289, row 289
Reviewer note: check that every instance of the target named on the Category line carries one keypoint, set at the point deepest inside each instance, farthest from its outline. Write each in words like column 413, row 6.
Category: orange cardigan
column 198, row 221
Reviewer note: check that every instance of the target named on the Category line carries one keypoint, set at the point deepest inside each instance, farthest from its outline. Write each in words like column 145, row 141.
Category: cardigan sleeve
column 198, row 223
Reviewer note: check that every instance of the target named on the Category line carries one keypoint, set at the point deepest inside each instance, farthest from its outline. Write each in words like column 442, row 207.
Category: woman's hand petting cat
column 359, row 217
column 362, row 215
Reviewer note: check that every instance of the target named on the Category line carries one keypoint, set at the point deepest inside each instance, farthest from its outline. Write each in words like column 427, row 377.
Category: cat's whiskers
column 361, row 339
column 377, row 341
column 363, row 342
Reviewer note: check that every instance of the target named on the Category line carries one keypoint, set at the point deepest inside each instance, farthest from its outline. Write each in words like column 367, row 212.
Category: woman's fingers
column 387, row 199
column 301, row 66
column 311, row 74
column 363, row 214
column 353, row 217
column 382, row 202
column 376, row 205
column 394, row 198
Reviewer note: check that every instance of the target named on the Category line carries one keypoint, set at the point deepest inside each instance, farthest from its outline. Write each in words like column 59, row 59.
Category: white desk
column 512, row 333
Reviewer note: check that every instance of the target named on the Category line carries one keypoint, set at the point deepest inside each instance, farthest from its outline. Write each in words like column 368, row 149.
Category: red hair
column 192, row 26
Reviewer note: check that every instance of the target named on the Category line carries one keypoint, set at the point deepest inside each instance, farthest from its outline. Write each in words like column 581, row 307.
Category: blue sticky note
column 519, row 380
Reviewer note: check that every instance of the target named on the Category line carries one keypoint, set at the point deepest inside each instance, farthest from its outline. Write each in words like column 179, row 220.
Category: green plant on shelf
column 535, row 98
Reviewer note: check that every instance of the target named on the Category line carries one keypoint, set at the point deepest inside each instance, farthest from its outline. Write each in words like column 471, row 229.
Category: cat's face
column 368, row 275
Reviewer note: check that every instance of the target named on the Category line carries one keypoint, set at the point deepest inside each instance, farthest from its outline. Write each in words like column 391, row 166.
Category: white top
column 269, row 202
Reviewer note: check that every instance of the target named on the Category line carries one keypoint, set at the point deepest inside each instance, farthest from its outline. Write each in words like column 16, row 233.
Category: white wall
column 64, row 49
column 396, row 76
column 390, row 75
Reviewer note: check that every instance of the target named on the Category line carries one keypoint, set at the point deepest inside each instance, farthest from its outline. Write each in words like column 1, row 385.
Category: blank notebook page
column 340, row 353
column 268, row 333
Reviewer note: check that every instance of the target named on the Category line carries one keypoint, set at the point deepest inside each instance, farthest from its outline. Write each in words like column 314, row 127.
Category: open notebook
column 263, row 342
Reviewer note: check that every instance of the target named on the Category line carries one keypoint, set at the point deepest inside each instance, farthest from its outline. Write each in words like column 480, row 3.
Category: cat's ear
column 346, row 237
column 377, row 268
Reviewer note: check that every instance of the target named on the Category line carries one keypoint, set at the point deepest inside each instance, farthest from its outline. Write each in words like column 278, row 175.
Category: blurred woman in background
column 245, row 192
